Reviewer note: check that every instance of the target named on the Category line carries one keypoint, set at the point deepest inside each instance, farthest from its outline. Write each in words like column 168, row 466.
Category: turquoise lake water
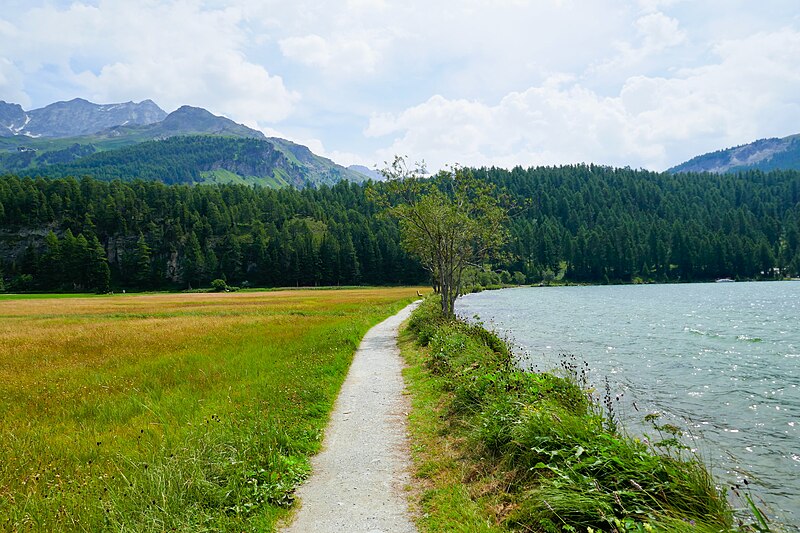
column 721, row 360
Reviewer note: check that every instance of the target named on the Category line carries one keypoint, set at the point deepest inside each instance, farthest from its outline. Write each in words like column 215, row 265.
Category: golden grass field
column 191, row 412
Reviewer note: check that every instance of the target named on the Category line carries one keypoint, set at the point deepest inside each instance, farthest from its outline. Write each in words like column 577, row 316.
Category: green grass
column 34, row 296
column 187, row 412
column 226, row 176
column 498, row 449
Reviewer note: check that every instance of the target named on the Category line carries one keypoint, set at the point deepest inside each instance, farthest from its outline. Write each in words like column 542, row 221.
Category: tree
column 450, row 222
column 193, row 261
column 142, row 270
column 98, row 275
column 52, row 263
column 230, row 257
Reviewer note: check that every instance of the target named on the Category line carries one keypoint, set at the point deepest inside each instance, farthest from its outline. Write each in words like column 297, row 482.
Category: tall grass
column 536, row 451
column 170, row 412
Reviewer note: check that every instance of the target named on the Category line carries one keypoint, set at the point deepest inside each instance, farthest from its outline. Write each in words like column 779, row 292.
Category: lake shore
column 497, row 448
column 717, row 360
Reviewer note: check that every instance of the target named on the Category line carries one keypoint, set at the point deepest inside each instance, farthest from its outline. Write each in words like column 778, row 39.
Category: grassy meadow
column 186, row 412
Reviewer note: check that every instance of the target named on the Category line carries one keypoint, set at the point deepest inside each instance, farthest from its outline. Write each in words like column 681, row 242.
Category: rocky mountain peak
column 12, row 118
column 75, row 117
column 189, row 119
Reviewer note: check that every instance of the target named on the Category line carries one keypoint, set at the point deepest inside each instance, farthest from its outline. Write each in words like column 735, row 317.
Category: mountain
column 206, row 159
column 12, row 118
column 374, row 175
column 189, row 145
column 764, row 154
column 75, row 118
column 186, row 120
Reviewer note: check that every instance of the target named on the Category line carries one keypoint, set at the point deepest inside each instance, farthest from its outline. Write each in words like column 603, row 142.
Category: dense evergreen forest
column 619, row 224
column 161, row 236
column 584, row 223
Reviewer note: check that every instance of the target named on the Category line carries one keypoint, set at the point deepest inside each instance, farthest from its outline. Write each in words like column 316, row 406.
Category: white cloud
column 649, row 6
column 543, row 125
column 656, row 33
column 659, row 31
column 652, row 122
column 632, row 82
column 371, row 5
column 11, row 84
column 174, row 53
column 343, row 55
column 344, row 158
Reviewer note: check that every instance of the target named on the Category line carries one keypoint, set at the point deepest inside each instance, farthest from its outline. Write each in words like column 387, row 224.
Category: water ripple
column 720, row 361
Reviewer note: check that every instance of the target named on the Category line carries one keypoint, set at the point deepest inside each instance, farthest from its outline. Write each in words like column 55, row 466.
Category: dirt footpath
column 358, row 479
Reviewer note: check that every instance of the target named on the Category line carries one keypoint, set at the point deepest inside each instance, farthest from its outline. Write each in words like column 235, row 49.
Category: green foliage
column 450, row 222
column 581, row 223
column 549, row 444
column 168, row 237
column 72, row 264
column 615, row 224
column 219, row 285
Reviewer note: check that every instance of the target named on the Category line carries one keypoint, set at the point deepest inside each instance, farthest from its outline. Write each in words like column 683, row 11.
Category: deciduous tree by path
column 450, row 222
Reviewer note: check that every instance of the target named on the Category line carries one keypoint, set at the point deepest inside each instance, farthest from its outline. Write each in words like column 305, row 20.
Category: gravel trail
column 358, row 479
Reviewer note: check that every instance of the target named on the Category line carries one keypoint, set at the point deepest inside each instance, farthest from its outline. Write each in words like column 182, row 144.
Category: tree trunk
column 445, row 295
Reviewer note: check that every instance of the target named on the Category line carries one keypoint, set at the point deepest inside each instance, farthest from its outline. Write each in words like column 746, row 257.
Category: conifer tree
column 52, row 269
column 142, row 269
column 98, row 272
column 193, row 266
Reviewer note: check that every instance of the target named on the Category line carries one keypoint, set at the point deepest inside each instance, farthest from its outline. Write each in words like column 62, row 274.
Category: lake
column 717, row 359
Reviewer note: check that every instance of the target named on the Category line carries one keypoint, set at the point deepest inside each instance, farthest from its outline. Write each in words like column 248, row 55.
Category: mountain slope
column 202, row 147
column 185, row 120
column 12, row 118
column 374, row 175
column 19, row 152
column 764, row 154
column 206, row 158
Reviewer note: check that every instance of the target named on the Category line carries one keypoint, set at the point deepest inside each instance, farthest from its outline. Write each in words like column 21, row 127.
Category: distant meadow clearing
column 172, row 411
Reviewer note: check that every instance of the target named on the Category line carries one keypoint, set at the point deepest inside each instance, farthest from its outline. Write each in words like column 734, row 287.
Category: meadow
column 188, row 412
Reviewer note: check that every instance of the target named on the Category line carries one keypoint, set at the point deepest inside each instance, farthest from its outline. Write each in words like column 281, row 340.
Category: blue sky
column 642, row 83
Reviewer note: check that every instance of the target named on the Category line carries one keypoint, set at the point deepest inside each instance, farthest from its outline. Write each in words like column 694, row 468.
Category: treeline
column 156, row 236
column 601, row 224
column 584, row 223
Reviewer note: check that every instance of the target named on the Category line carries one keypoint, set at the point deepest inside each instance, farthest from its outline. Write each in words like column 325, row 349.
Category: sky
column 639, row 83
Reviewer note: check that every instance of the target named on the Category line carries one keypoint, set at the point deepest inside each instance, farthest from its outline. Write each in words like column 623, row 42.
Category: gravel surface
column 358, row 479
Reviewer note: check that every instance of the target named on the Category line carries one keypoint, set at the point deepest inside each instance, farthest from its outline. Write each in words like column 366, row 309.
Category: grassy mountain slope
column 201, row 158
